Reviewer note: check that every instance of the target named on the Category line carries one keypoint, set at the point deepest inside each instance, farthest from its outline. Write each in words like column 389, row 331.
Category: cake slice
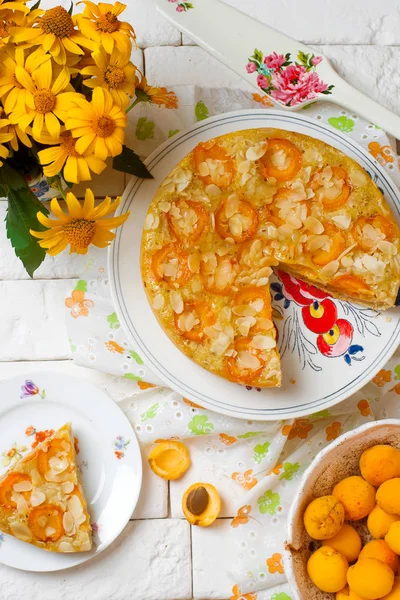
column 41, row 500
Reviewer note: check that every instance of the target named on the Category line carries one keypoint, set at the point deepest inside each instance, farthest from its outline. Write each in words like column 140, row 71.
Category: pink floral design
column 181, row 6
column 286, row 81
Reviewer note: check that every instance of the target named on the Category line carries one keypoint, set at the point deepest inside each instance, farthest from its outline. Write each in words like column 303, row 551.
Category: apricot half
column 347, row 594
column 388, row 496
column 347, row 541
column 324, row 517
column 327, row 569
column 392, row 537
column 370, row 578
column 357, row 497
column 394, row 594
column 169, row 460
column 201, row 504
column 380, row 549
column 379, row 522
column 380, row 463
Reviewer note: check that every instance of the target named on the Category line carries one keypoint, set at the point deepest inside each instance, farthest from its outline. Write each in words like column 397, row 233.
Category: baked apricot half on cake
column 247, row 202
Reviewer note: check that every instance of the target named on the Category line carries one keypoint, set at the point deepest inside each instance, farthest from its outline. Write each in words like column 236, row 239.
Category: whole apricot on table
column 347, row 594
column 392, row 538
column 346, row 541
column 327, row 569
column 380, row 549
column 357, row 497
column 394, row 594
column 370, row 578
column 388, row 496
column 323, row 517
column 380, row 463
column 379, row 521
column 169, row 460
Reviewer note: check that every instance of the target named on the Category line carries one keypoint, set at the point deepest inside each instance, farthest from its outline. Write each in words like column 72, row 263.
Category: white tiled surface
column 157, row 557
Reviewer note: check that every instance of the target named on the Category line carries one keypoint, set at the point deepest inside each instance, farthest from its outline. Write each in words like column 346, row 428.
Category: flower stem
column 136, row 101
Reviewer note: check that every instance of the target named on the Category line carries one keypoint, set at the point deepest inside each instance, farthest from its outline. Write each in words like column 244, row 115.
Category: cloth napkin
column 256, row 466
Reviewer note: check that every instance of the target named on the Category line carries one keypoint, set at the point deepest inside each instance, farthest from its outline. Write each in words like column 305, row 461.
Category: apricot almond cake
column 41, row 501
column 236, row 207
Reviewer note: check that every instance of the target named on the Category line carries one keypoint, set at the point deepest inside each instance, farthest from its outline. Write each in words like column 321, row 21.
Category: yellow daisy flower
column 9, row 19
column 99, row 125
column 54, row 30
column 115, row 73
column 16, row 132
column 83, row 225
column 46, row 102
column 9, row 85
column 154, row 95
column 100, row 23
column 5, row 136
column 76, row 167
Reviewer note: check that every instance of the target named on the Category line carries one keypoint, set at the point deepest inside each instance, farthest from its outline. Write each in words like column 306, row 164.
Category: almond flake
column 220, row 345
column 342, row 221
column 66, row 547
column 176, row 302
column 358, row 178
column 263, row 342
column 204, row 171
column 387, row 248
column 75, row 506
column 148, row 222
column 22, row 486
column 244, row 166
column 244, row 310
column 314, row 225
column 257, row 151
column 246, row 360
column 213, row 190
column 244, row 325
column 21, row 531
column 164, row 206
column 158, row 301
column 232, row 205
column 68, row 522
column 37, row 498
column 330, row 269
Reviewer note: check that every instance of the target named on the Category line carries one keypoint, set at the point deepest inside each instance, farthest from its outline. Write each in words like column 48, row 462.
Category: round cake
column 236, row 207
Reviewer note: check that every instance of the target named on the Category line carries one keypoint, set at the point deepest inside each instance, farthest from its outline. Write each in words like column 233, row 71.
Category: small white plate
column 315, row 375
column 109, row 457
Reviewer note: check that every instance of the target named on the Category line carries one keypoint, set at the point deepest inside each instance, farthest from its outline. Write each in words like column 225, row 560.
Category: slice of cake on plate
column 41, row 499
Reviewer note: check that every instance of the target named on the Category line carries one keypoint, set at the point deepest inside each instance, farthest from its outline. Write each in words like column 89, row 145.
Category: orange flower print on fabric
column 275, row 564
column 364, row 408
column 333, row 431
column 276, row 470
column 300, row 428
column 263, row 100
column 78, row 304
column 114, row 347
column 396, row 388
column 382, row 377
column 237, row 594
column 242, row 516
column 246, row 479
column 144, row 385
column 192, row 404
column 228, row 440
column 383, row 154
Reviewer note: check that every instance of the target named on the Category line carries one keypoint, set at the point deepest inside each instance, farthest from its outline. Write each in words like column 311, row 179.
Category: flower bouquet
column 67, row 83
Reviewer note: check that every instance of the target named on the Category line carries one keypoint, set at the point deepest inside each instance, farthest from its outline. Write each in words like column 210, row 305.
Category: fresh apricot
column 392, row 538
column 324, row 517
column 370, row 578
column 201, row 504
column 327, row 569
column 169, row 460
column 347, row 541
column 394, row 594
column 357, row 497
column 380, row 549
column 388, row 496
column 379, row 522
column 347, row 594
column 380, row 463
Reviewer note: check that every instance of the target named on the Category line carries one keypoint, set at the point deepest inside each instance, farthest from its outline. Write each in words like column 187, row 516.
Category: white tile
column 153, row 500
column 151, row 28
column 149, row 561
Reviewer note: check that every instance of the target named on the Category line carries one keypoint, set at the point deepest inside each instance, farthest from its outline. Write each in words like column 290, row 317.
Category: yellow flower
column 98, row 125
column 17, row 135
column 115, row 73
column 100, row 23
column 82, row 226
column 19, row 17
column 54, row 30
column 9, row 85
column 76, row 166
column 154, row 95
column 5, row 136
column 46, row 103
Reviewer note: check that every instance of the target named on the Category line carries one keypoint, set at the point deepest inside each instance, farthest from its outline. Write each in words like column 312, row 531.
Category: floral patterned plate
column 108, row 457
column 323, row 360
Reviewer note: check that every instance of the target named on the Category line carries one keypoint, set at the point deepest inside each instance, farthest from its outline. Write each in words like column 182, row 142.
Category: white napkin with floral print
column 254, row 465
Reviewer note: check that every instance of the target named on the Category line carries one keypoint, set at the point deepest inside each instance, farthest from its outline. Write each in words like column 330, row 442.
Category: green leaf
column 135, row 357
column 71, row 8
column 35, row 6
column 11, row 179
column 129, row 162
column 201, row 111
column 258, row 55
column 302, row 57
column 81, row 285
column 21, row 217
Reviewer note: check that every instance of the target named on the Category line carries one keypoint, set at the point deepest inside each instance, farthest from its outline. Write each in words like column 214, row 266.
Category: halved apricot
column 240, row 226
column 247, row 364
column 351, row 285
column 7, row 488
column 46, row 522
column 190, row 224
column 336, row 195
column 169, row 460
column 56, row 448
column 199, row 311
column 219, row 280
column 201, row 504
column 337, row 246
column 170, row 264
column 380, row 222
column 252, row 295
column 213, row 165
column 282, row 160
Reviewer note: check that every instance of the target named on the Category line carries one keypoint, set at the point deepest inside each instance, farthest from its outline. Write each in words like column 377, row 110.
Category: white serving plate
column 111, row 484
column 312, row 380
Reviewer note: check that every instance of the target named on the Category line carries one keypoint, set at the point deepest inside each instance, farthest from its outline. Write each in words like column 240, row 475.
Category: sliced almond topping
column 203, row 169
column 372, row 264
column 358, row 178
column 37, row 498
column 244, row 166
column 176, row 302
column 66, row 547
column 68, row 522
column 75, row 506
column 330, row 269
column 263, row 342
column 220, row 345
column 257, row 151
column 196, row 285
column 265, row 324
column 342, row 221
column 158, row 301
column 316, row 242
column 211, row 332
column 164, row 206
column 194, row 262
column 244, row 325
column 232, row 205
column 293, row 221
column 49, row 531
column 387, row 248
column 244, row 310
column 67, row 487
column 22, row 486
column 21, row 531
column 58, row 465
column 314, row 225
column 246, row 360
column 42, row 521
column 148, row 222
column 36, row 479
column 213, row 190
